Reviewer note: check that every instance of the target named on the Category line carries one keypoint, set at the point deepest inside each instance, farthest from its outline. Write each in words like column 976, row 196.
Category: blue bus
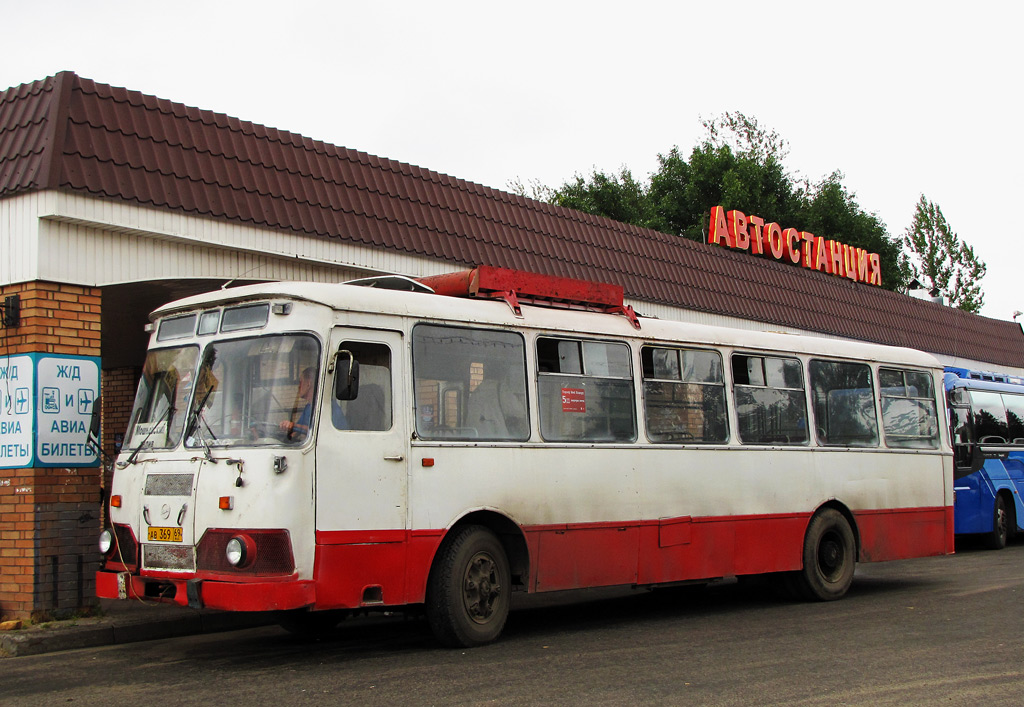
column 987, row 425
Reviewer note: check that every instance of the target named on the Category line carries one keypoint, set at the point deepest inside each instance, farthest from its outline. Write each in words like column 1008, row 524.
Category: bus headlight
column 239, row 551
column 106, row 541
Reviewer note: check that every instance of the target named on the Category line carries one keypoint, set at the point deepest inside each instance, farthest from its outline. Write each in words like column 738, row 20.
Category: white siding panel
column 96, row 242
column 19, row 221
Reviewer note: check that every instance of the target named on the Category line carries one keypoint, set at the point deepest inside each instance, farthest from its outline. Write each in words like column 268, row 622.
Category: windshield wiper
column 193, row 419
column 198, row 415
column 201, row 416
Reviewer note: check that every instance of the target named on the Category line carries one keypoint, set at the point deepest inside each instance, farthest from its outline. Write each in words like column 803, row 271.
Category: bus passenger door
column 361, row 473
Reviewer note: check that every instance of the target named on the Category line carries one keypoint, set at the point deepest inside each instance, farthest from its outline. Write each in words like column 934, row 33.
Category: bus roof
column 492, row 312
column 978, row 380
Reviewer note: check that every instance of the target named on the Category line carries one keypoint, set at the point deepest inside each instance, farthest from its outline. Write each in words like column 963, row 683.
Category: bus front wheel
column 469, row 590
column 829, row 558
column 1000, row 525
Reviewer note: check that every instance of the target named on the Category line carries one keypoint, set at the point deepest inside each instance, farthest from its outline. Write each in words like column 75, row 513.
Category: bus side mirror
column 346, row 376
column 94, row 423
column 93, row 436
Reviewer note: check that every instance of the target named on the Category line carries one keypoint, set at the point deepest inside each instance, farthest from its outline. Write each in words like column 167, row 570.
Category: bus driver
column 296, row 431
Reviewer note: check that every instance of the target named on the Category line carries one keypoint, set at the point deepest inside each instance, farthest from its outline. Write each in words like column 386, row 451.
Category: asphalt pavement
column 123, row 621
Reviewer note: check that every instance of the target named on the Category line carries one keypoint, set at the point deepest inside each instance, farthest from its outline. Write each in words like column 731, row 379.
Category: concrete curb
column 104, row 631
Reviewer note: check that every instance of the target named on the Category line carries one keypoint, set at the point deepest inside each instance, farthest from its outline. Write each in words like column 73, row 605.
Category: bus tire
column 1000, row 525
column 829, row 558
column 469, row 589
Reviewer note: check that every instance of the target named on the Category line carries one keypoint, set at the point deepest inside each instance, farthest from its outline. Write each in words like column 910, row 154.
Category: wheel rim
column 831, row 556
column 1001, row 522
column 481, row 588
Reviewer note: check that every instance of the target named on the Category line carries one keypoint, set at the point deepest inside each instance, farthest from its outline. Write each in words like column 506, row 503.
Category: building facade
column 113, row 202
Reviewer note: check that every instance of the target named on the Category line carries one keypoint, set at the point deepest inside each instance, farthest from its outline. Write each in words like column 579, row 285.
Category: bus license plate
column 164, row 535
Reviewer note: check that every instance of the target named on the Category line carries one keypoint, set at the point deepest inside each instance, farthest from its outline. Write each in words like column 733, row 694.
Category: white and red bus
column 317, row 449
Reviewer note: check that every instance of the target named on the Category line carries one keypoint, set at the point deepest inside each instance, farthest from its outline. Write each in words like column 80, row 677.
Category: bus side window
column 470, row 384
column 684, row 395
column 585, row 390
column 909, row 417
column 1015, row 417
column 990, row 424
column 770, row 403
column 844, row 404
column 370, row 410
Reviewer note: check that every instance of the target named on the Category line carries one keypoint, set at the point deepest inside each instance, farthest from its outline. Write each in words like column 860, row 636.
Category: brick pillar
column 50, row 517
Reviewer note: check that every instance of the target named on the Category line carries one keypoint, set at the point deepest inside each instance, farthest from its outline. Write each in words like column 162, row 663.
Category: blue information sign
column 46, row 403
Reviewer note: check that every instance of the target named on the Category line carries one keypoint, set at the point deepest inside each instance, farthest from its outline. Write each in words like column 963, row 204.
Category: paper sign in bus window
column 574, row 400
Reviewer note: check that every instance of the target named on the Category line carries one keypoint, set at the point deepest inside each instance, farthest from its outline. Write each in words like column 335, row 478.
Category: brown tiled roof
column 73, row 134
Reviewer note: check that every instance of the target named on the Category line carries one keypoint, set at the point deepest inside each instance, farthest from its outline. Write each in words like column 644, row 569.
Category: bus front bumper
column 207, row 594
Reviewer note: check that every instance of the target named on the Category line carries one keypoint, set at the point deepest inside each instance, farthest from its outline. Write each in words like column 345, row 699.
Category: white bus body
column 426, row 499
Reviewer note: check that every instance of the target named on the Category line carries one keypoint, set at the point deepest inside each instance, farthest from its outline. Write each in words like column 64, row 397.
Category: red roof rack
column 519, row 287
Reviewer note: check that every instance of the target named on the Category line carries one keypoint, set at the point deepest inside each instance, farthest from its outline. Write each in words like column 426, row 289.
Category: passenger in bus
column 296, row 431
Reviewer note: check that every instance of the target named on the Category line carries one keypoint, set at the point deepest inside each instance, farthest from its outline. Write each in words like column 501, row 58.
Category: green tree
column 745, row 136
column 943, row 263
column 533, row 189
column 828, row 209
column 616, row 196
column 739, row 165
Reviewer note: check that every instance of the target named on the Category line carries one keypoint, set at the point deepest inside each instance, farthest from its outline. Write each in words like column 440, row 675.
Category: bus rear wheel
column 829, row 558
column 469, row 590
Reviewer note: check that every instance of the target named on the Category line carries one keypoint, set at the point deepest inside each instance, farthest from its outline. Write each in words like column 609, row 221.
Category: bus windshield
column 158, row 414
column 255, row 392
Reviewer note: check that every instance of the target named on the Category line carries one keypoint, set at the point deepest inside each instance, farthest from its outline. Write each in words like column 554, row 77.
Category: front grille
column 273, row 554
column 169, row 557
column 169, row 484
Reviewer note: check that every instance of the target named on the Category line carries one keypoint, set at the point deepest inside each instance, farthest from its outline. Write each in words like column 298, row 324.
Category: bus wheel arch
column 468, row 593
column 509, row 534
column 829, row 557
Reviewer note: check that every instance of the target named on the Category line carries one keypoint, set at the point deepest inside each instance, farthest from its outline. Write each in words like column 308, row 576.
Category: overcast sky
column 904, row 98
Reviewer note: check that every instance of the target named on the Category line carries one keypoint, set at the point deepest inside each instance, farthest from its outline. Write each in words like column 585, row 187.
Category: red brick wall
column 118, row 390
column 55, row 318
column 17, row 542
column 50, row 517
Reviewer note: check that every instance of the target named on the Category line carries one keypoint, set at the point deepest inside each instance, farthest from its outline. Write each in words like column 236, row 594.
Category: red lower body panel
column 388, row 568
column 904, row 533
column 357, row 568
column 354, row 566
